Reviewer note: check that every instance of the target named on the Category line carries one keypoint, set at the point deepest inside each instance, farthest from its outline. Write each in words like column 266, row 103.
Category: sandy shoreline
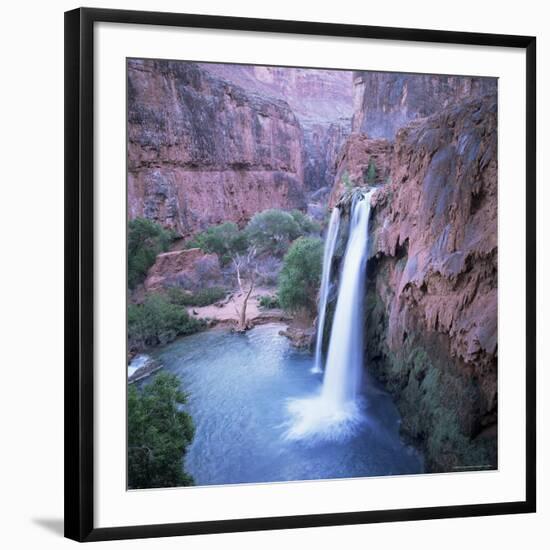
column 225, row 312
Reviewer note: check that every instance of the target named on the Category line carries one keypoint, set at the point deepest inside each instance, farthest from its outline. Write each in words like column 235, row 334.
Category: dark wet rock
column 146, row 366
column 301, row 338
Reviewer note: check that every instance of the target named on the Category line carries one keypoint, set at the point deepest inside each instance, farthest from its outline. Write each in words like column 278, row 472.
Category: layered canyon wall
column 202, row 150
column 321, row 100
column 385, row 102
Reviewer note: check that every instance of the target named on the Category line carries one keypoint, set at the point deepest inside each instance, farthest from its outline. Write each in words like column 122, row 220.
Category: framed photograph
column 300, row 274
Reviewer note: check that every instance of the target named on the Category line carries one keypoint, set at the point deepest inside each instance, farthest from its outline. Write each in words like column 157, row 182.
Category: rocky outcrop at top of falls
column 385, row 102
column 202, row 150
column 361, row 161
column 431, row 306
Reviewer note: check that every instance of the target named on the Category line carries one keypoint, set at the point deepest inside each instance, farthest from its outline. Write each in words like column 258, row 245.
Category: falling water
column 337, row 410
column 345, row 352
column 330, row 244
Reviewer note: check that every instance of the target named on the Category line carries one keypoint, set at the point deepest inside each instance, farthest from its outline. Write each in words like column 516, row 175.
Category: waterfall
column 328, row 253
column 345, row 352
column 336, row 411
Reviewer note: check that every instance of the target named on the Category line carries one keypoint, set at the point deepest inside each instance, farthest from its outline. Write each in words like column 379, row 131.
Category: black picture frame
column 79, row 269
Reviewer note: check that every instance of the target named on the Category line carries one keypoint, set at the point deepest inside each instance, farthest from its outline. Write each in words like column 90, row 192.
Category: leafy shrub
column 203, row 297
column 301, row 274
column 269, row 302
column 158, row 434
column 306, row 224
column 157, row 321
column 146, row 239
column 225, row 240
column 371, row 172
column 272, row 231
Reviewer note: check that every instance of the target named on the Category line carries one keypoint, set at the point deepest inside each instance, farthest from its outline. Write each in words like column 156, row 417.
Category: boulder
column 190, row 269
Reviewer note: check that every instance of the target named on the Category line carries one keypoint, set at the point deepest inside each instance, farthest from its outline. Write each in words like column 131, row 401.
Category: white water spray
column 337, row 410
column 328, row 253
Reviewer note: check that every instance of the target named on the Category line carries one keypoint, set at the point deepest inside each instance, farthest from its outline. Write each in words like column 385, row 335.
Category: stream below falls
column 240, row 392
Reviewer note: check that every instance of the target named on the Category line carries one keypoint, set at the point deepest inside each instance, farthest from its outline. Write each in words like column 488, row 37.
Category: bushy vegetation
column 202, row 297
column 146, row 239
column 157, row 321
column 158, row 434
column 226, row 240
column 431, row 397
column 301, row 274
column 272, row 231
column 371, row 172
column 253, row 256
column 269, row 302
column 306, row 224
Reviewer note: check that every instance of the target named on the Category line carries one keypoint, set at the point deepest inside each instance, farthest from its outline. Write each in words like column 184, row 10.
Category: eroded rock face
column 321, row 100
column 189, row 269
column 353, row 162
column 385, row 102
column 202, row 150
column 322, row 144
column 432, row 292
column 314, row 94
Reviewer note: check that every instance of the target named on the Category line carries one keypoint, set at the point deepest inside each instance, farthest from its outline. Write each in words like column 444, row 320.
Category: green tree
column 301, row 274
column 159, row 433
column 305, row 223
column 371, row 171
column 226, row 240
column 229, row 243
column 273, row 230
column 157, row 321
column 146, row 239
column 268, row 302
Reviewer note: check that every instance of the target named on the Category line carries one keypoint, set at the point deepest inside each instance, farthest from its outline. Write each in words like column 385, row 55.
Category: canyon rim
column 312, row 273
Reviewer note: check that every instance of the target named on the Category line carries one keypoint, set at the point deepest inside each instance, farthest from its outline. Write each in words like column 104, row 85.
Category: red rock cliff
column 385, row 102
column 432, row 298
column 321, row 100
column 202, row 150
column 356, row 158
column 431, row 301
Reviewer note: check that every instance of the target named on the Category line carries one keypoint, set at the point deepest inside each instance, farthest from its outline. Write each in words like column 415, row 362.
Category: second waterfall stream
column 337, row 410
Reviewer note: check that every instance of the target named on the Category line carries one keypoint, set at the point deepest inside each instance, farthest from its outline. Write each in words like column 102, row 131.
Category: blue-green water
column 240, row 387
